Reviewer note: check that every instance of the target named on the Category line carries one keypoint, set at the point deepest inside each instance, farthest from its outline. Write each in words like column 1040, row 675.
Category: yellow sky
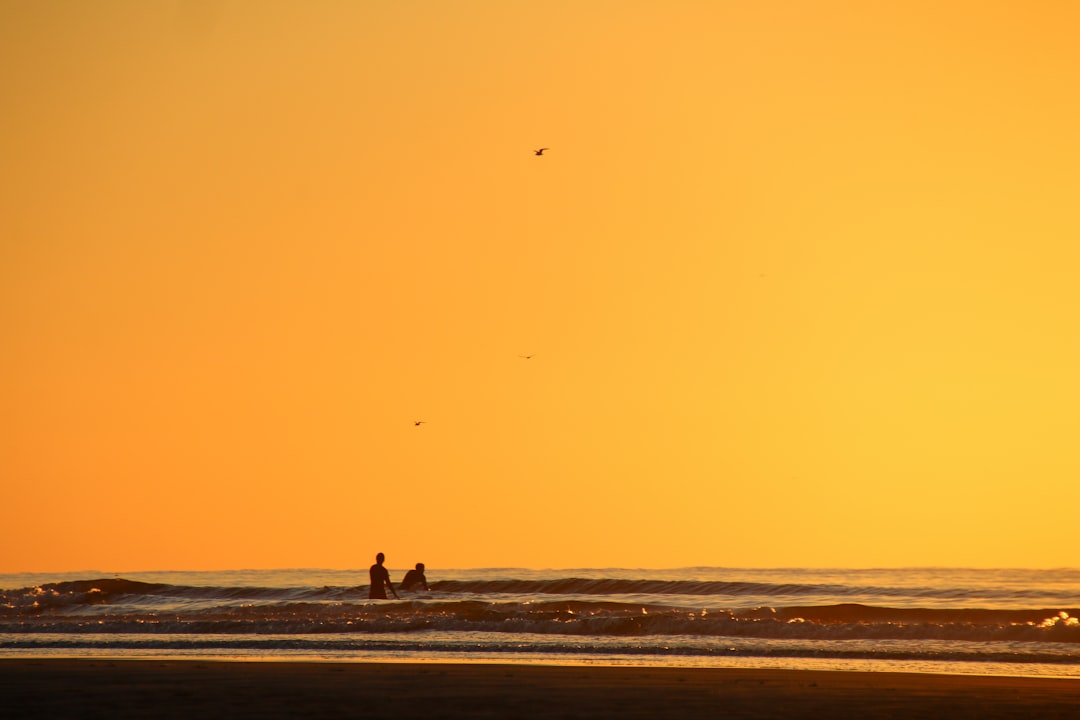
column 801, row 280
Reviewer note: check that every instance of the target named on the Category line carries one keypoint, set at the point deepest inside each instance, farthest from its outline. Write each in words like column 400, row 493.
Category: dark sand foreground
column 118, row 689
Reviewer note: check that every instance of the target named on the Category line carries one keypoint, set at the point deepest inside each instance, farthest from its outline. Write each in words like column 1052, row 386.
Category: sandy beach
column 119, row 689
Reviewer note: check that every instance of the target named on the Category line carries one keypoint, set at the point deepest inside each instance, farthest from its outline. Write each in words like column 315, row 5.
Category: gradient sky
column 801, row 279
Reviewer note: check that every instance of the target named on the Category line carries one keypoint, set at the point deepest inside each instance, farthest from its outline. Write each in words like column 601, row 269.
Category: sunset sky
column 801, row 281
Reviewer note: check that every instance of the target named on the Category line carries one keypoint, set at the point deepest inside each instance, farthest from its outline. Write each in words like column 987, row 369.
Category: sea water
column 992, row 622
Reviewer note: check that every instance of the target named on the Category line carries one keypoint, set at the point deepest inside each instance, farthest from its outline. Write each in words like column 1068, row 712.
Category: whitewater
column 944, row 620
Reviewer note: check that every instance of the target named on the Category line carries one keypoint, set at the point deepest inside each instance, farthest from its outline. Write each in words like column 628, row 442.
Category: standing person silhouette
column 380, row 580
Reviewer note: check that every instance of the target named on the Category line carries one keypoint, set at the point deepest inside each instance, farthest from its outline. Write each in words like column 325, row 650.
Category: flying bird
column 526, row 357
column 540, row 151
column 418, row 423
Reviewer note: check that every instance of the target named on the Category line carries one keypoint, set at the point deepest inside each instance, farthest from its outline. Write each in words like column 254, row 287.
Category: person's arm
column 391, row 586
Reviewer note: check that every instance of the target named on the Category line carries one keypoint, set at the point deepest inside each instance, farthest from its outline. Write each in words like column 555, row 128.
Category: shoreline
column 129, row 688
column 987, row 669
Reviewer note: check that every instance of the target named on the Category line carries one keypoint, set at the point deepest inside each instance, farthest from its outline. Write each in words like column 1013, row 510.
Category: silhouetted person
column 415, row 579
column 380, row 580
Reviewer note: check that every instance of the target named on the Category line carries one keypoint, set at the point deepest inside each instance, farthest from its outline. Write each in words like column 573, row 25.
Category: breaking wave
column 560, row 606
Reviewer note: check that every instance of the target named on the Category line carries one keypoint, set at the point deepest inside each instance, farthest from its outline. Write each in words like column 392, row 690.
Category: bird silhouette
column 418, row 423
column 526, row 357
column 540, row 151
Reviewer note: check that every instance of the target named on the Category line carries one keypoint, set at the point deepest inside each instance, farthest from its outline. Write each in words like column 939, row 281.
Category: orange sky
column 801, row 280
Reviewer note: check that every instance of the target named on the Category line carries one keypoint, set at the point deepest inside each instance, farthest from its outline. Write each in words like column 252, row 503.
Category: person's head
column 420, row 567
column 379, row 558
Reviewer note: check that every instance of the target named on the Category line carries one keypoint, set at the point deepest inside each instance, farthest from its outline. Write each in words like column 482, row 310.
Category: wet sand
column 199, row 690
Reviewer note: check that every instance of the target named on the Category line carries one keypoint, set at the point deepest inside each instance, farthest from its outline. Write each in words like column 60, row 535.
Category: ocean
column 939, row 620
